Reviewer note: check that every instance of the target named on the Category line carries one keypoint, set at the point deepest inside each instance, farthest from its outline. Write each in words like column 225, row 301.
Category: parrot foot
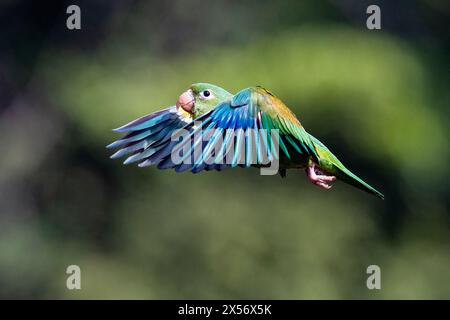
column 318, row 178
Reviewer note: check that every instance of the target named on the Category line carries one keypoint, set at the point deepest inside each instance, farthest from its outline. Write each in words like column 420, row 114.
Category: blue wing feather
column 236, row 124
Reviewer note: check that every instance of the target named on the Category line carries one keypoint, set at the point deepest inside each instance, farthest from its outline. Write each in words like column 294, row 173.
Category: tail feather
column 331, row 163
column 347, row 176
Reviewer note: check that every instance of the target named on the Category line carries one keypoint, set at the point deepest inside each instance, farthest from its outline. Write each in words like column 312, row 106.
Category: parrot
column 208, row 110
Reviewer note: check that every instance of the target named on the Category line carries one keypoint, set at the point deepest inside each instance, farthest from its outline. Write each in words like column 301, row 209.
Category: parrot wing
column 234, row 127
column 148, row 138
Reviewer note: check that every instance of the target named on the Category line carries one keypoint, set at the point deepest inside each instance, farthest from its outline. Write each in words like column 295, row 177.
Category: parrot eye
column 206, row 94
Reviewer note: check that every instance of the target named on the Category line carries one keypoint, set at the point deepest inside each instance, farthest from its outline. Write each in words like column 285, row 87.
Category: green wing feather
column 274, row 114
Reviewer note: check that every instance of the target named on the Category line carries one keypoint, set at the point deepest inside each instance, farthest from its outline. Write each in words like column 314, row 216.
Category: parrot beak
column 186, row 101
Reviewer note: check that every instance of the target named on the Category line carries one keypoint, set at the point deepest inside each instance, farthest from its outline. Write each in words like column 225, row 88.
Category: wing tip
column 112, row 145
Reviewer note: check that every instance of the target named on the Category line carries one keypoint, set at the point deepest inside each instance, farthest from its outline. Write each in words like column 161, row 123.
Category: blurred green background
column 379, row 99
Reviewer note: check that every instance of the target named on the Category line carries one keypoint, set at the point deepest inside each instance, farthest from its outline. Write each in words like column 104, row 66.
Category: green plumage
column 331, row 164
column 298, row 146
column 234, row 123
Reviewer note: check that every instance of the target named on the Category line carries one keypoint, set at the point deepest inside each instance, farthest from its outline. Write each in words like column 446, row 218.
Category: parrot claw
column 318, row 178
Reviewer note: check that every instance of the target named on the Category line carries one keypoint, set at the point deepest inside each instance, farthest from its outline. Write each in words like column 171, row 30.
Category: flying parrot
column 206, row 109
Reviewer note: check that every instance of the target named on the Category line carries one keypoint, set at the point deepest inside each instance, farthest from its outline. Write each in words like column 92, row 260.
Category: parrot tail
column 329, row 162
column 347, row 176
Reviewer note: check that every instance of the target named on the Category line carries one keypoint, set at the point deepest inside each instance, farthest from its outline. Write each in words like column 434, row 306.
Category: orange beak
column 186, row 101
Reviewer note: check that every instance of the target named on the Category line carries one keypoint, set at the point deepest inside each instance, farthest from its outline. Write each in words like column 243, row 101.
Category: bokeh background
column 379, row 99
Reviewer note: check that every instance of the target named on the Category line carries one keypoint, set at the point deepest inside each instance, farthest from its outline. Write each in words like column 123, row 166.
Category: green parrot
column 221, row 124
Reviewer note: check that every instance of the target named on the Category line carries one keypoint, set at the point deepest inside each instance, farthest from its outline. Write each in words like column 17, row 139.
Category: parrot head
column 201, row 98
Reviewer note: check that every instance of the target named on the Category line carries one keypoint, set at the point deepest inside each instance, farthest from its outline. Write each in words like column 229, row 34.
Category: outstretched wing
column 234, row 137
column 148, row 138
